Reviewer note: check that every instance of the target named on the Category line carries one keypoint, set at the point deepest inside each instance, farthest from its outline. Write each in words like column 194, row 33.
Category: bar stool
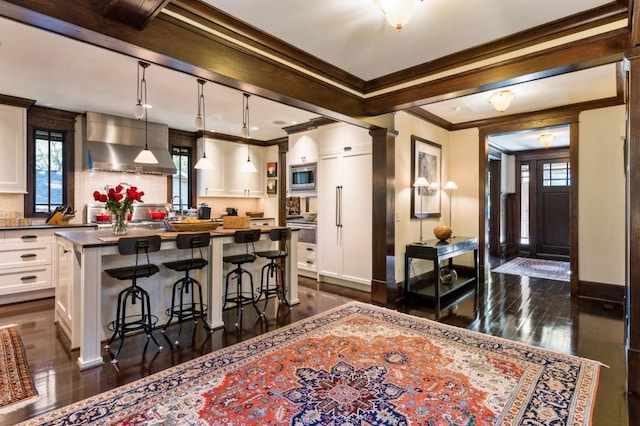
column 134, row 294
column 192, row 308
column 271, row 269
column 240, row 296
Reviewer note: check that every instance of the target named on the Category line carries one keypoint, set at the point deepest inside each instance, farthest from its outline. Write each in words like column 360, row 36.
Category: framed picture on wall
column 272, row 169
column 426, row 160
column 272, row 186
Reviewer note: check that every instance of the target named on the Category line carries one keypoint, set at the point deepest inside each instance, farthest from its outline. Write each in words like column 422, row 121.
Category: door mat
column 537, row 268
column 16, row 384
column 354, row 365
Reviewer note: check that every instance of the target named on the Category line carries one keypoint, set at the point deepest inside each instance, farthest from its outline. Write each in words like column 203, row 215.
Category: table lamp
column 450, row 186
column 420, row 183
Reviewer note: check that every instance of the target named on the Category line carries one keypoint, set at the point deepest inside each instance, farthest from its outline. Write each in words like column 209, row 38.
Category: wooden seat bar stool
column 134, row 307
column 186, row 296
column 273, row 269
column 240, row 296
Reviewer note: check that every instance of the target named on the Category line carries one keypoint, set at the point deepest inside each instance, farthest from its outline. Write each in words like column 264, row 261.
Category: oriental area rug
column 356, row 365
column 16, row 384
column 537, row 268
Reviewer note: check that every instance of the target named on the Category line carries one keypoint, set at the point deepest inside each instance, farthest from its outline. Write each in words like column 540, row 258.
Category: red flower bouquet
column 119, row 203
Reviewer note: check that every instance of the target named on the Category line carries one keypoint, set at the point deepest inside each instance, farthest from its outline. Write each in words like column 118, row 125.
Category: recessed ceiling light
column 279, row 122
column 457, row 108
column 294, row 122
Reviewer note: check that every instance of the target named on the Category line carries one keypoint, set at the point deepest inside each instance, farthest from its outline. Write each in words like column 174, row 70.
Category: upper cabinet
column 13, row 143
column 303, row 147
column 226, row 179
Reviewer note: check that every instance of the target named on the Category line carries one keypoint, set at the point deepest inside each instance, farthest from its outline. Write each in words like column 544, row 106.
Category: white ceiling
column 352, row 35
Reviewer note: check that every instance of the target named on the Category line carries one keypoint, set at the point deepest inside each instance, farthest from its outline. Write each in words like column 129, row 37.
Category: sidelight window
column 524, row 204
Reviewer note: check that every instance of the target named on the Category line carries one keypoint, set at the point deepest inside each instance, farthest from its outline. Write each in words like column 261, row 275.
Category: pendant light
column 247, row 166
column 201, row 123
column 145, row 156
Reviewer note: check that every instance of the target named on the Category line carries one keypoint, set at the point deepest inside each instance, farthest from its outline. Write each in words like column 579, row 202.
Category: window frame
column 49, row 119
column 184, row 139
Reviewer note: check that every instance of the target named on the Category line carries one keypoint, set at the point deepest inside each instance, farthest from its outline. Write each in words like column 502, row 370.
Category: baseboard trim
column 600, row 291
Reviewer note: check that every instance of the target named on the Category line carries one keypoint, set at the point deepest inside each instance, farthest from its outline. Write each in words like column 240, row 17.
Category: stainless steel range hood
column 111, row 143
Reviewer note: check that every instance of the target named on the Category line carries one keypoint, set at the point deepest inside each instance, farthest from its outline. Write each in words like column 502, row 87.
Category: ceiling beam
column 135, row 13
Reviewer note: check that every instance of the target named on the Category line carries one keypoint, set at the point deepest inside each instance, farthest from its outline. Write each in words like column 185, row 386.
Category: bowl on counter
column 255, row 214
column 309, row 216
column 103, row 217
column 158, row 215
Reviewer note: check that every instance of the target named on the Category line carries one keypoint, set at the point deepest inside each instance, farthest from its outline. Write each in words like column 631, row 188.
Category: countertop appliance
column 204, row 211
column 308, row 228
column 144, row 215
column 303, row 177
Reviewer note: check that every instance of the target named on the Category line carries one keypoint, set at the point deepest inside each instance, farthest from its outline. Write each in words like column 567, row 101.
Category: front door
column 553, row 206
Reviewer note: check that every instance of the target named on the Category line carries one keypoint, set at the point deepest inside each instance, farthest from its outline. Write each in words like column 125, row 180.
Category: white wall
column 407, row 229
column 601, row 196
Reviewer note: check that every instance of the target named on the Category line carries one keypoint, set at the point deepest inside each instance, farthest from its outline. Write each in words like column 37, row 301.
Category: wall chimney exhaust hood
column 111, row 143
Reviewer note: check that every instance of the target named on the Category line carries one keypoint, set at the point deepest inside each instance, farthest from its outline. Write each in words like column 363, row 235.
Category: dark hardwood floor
column 534, row 311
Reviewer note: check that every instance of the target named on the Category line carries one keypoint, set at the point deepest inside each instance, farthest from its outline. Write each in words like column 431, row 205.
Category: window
column 49, row 170
column 181, row 180
column 556, row 174
column 50, row 182
column 524, row 204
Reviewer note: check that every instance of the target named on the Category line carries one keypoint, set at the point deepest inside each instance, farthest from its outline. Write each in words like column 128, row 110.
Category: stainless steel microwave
column 303, row 177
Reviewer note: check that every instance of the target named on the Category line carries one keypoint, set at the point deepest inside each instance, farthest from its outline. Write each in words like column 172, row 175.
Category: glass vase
column 119, row 225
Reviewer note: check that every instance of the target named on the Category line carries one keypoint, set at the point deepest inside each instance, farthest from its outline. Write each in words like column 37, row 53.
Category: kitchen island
column 86, row 296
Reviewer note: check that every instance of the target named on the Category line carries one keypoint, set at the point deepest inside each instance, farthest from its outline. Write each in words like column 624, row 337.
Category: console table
column 434, row 292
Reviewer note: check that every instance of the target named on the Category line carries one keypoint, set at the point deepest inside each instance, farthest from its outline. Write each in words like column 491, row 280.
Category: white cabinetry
column 344, row 207
column 303, row 147
column 13, row 145
column 307, row 260
column 64, row 272
column 226, row 179
column 25, row 264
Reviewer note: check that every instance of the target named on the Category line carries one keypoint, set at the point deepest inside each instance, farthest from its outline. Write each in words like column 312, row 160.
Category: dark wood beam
column 429, row 117
column 634, row 22
column 16, row 101
column 583, row 54
column 135, row 13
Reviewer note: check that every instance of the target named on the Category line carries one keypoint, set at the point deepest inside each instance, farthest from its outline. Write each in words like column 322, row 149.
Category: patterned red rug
column 358, row 365
column 16, row 385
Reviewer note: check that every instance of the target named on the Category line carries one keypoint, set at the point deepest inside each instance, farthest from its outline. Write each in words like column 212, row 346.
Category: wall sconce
column 546, row 139
column 397, row 12
column 501, row 100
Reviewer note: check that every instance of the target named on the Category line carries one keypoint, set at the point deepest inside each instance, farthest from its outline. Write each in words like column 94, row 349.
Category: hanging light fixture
column 201, row 124
column 145, row 156
column 397, row 12
column 501, row 100
column 546, row 139
column 248, row 166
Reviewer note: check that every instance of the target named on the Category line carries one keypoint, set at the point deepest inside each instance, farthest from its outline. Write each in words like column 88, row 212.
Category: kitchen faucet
column 179, row 210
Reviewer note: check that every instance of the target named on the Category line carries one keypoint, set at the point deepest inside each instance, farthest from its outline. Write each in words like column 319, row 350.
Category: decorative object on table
column 448, row 276
column 420, row 184
column 16, row 384
column 371, row 359
column 537, row 268
column 119, row 203
column 442, row 232
column 272, row 169
column 426, row 163
column 272, row 186
column 450, row 186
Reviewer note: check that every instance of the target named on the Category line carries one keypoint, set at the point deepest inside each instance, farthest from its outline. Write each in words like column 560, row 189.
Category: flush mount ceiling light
column 546, row 139
column 501, row 100
column 397, row 12
column 248, row 166
column 201, row 123
column 145, row 156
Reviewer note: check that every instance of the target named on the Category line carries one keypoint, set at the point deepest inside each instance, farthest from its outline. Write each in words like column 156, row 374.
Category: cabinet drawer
column 28, row 236
column 307, row 256
column 24, row 255
column 19, row 280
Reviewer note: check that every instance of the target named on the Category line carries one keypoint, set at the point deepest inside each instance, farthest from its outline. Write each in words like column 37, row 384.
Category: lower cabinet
column 25, row 264
column 307, row 260
column 63, row 266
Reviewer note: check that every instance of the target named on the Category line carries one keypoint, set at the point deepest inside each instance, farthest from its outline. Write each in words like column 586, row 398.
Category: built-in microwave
column 303, row 177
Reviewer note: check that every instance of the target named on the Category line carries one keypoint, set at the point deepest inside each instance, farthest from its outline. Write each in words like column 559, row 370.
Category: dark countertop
column 104, row 237
column 46, row 226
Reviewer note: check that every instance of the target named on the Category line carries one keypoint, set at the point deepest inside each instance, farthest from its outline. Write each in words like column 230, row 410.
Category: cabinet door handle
column 26, row 255
column 309, row 249
column 65, row 251
column 28, row 277
column 29, row 237
column 310, row 262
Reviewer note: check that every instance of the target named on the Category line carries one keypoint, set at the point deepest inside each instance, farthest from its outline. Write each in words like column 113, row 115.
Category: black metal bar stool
column 273, row 269
column 141, row 318
column 186, row 287
column 240, row 297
